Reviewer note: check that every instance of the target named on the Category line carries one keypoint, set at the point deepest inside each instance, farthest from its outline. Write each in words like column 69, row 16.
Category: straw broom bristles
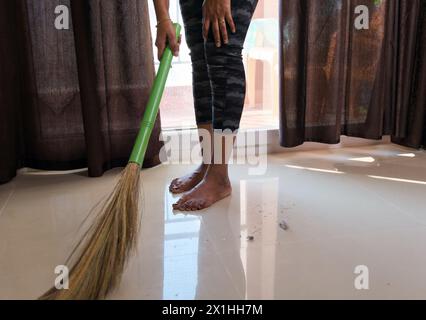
column 107, row 244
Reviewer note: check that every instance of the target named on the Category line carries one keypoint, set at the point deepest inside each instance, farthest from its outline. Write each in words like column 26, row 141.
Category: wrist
column 163, row 21
column 163, row 15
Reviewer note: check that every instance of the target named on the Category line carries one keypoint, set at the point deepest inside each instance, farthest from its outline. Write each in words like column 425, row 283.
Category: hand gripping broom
column 106, row 246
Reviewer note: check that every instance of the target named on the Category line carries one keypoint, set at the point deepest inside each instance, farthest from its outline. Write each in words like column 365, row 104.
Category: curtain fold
column 410, row 77
column 74, row 98
column 337, row 80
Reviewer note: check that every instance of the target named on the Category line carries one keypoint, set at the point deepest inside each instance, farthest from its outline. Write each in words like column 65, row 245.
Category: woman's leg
column 193, row 19
column 227, row 76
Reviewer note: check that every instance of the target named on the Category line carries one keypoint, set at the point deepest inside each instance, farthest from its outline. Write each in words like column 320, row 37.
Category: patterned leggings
column 219, row 82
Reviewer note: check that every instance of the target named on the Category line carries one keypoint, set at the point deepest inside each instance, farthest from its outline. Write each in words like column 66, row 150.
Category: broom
column 106, row 246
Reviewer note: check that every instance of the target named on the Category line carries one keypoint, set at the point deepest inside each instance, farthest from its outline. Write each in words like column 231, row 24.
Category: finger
column 160, row 54
column 160, row 43
column 216, row 33
column 230, row 22
column 223, row 31
column 173, row 43
column 160, row 48
column 206, row 29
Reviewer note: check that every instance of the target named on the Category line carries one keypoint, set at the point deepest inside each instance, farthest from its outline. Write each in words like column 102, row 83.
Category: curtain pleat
column 76, row 96
column 337, row 80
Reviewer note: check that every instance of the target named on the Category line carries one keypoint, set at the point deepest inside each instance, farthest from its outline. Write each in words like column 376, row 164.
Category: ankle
column 219, row 173
column 203, row 168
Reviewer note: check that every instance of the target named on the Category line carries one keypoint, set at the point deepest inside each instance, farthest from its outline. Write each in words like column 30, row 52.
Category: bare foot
column 209, row 191
column 188, row 182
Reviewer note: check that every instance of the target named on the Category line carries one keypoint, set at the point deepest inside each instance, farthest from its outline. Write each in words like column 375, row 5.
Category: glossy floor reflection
column 343, row 208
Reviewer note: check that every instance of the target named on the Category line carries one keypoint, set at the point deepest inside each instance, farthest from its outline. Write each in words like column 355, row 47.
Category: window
column 261, row 59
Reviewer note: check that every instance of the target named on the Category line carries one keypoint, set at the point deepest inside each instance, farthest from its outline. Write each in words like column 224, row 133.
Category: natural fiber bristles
column 105, row 248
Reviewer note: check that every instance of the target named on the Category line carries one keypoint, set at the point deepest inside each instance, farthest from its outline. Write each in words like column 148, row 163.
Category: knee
column 227, row 57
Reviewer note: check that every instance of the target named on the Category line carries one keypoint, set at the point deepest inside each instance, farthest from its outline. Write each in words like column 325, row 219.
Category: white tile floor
column 344, row 207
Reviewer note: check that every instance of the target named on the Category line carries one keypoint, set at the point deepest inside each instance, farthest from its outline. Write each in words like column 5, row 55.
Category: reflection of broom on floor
column 107, row 245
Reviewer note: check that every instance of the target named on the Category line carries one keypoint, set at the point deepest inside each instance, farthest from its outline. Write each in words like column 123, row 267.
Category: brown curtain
column 73, row 98
column 336, row 80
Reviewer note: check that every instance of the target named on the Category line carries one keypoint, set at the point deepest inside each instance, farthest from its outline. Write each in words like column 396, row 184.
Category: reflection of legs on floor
column 214, row 229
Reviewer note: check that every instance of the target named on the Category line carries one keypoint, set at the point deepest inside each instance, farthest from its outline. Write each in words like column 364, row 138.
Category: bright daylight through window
column 260, row 56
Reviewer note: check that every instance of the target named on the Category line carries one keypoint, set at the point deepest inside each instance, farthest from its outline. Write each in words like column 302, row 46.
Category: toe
column 173, row 184
column 190, row 205
column 178, row 205
column 193, row 205
column 185, row 206
column 176, row 187
column 200, row 205
column 174, row 190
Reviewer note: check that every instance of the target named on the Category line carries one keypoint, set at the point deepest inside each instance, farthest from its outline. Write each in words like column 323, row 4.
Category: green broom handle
column 151, row 112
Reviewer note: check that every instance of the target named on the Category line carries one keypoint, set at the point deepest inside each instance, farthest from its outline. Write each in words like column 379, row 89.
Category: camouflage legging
column 219, row 83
